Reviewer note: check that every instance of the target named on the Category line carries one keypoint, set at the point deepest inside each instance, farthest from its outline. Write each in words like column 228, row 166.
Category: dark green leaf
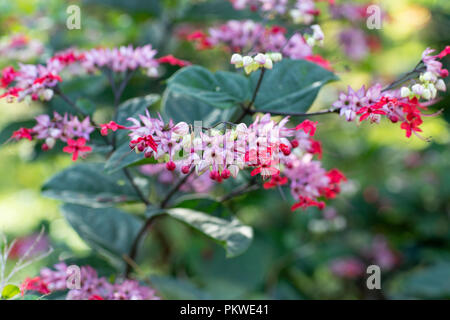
column 125, row 157
column 132, row 108
column 109, row 231
column 88, row 185
column 232, row 235
column 292, row 85
column 195, row 93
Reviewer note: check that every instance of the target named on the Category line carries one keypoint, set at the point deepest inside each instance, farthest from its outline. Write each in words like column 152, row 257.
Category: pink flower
column 77, row 148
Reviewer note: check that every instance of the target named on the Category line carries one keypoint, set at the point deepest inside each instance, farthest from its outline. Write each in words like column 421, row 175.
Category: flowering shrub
column 202, row 133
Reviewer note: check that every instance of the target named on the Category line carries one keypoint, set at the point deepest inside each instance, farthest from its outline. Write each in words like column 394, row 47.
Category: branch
column 296, row 114
column 135, row 187
column 247, row 109
column 149, row 222
column 169, row 195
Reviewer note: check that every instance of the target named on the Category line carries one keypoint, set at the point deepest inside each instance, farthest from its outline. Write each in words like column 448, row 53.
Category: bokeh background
column 394, row 210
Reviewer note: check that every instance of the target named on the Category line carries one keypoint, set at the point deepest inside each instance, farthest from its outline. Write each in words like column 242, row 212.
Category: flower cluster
column 20, row 48
column 269, row 148
column 303, row 11
column 379, row 253
column 397, row 105
column 249, row 36
column 92, row 287
column 431, row 80
column 122, row 59
column 260, row 60
column 38, row 81
column 67, row 128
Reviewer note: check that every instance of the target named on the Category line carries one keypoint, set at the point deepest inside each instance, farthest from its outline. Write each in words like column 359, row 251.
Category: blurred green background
column 394, row 211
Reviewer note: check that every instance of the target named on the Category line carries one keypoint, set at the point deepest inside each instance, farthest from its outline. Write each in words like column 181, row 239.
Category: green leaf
column 432, row 282
column 132, row 108
column 125, row 157
column 195, row 93
column 109, row 231
column 231, row 234
column 10, row 291
column 88, row 185
column 291, row 86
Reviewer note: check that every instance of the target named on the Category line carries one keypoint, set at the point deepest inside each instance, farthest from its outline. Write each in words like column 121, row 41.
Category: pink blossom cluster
column 122, row 59
column 20, row 48
column 269, row 148
column 67, row 128
column 302, row 11
column 92, row 287
column 249, row 36
column 379, row 253
column 38, row 81
column 401, row 106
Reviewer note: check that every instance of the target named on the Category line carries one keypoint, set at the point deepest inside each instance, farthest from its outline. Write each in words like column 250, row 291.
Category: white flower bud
column 427, row 76
column 182, row 128
column 405, row 92
column 418, row 89
column 268, row 64
column 433, row 91
column 260, row 58
column 50, row 142
column 276, row 56
column 47, row 94
column 440, row 85
column 246, row 61
column 310, row 41
column 241, row 128
column 426, row 94
column 236, row 58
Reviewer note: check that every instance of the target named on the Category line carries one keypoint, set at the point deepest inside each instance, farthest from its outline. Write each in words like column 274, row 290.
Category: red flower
column 49, row 76
column 96, row 297
column 307, row 126
column 8, row 75
column 444, row 52
column 333, row 188
column 305, row 202
column 265, row 170
column 316, row 148
column 11, row 92
column 319, row 60
column 200, row 38
column 143, row 142
column 409, row 127
column 365, row 112
column 112, row 126
column 170, row 59
column 34, row 284
column 23, row 133
column 276, row 180
column 76, row 148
